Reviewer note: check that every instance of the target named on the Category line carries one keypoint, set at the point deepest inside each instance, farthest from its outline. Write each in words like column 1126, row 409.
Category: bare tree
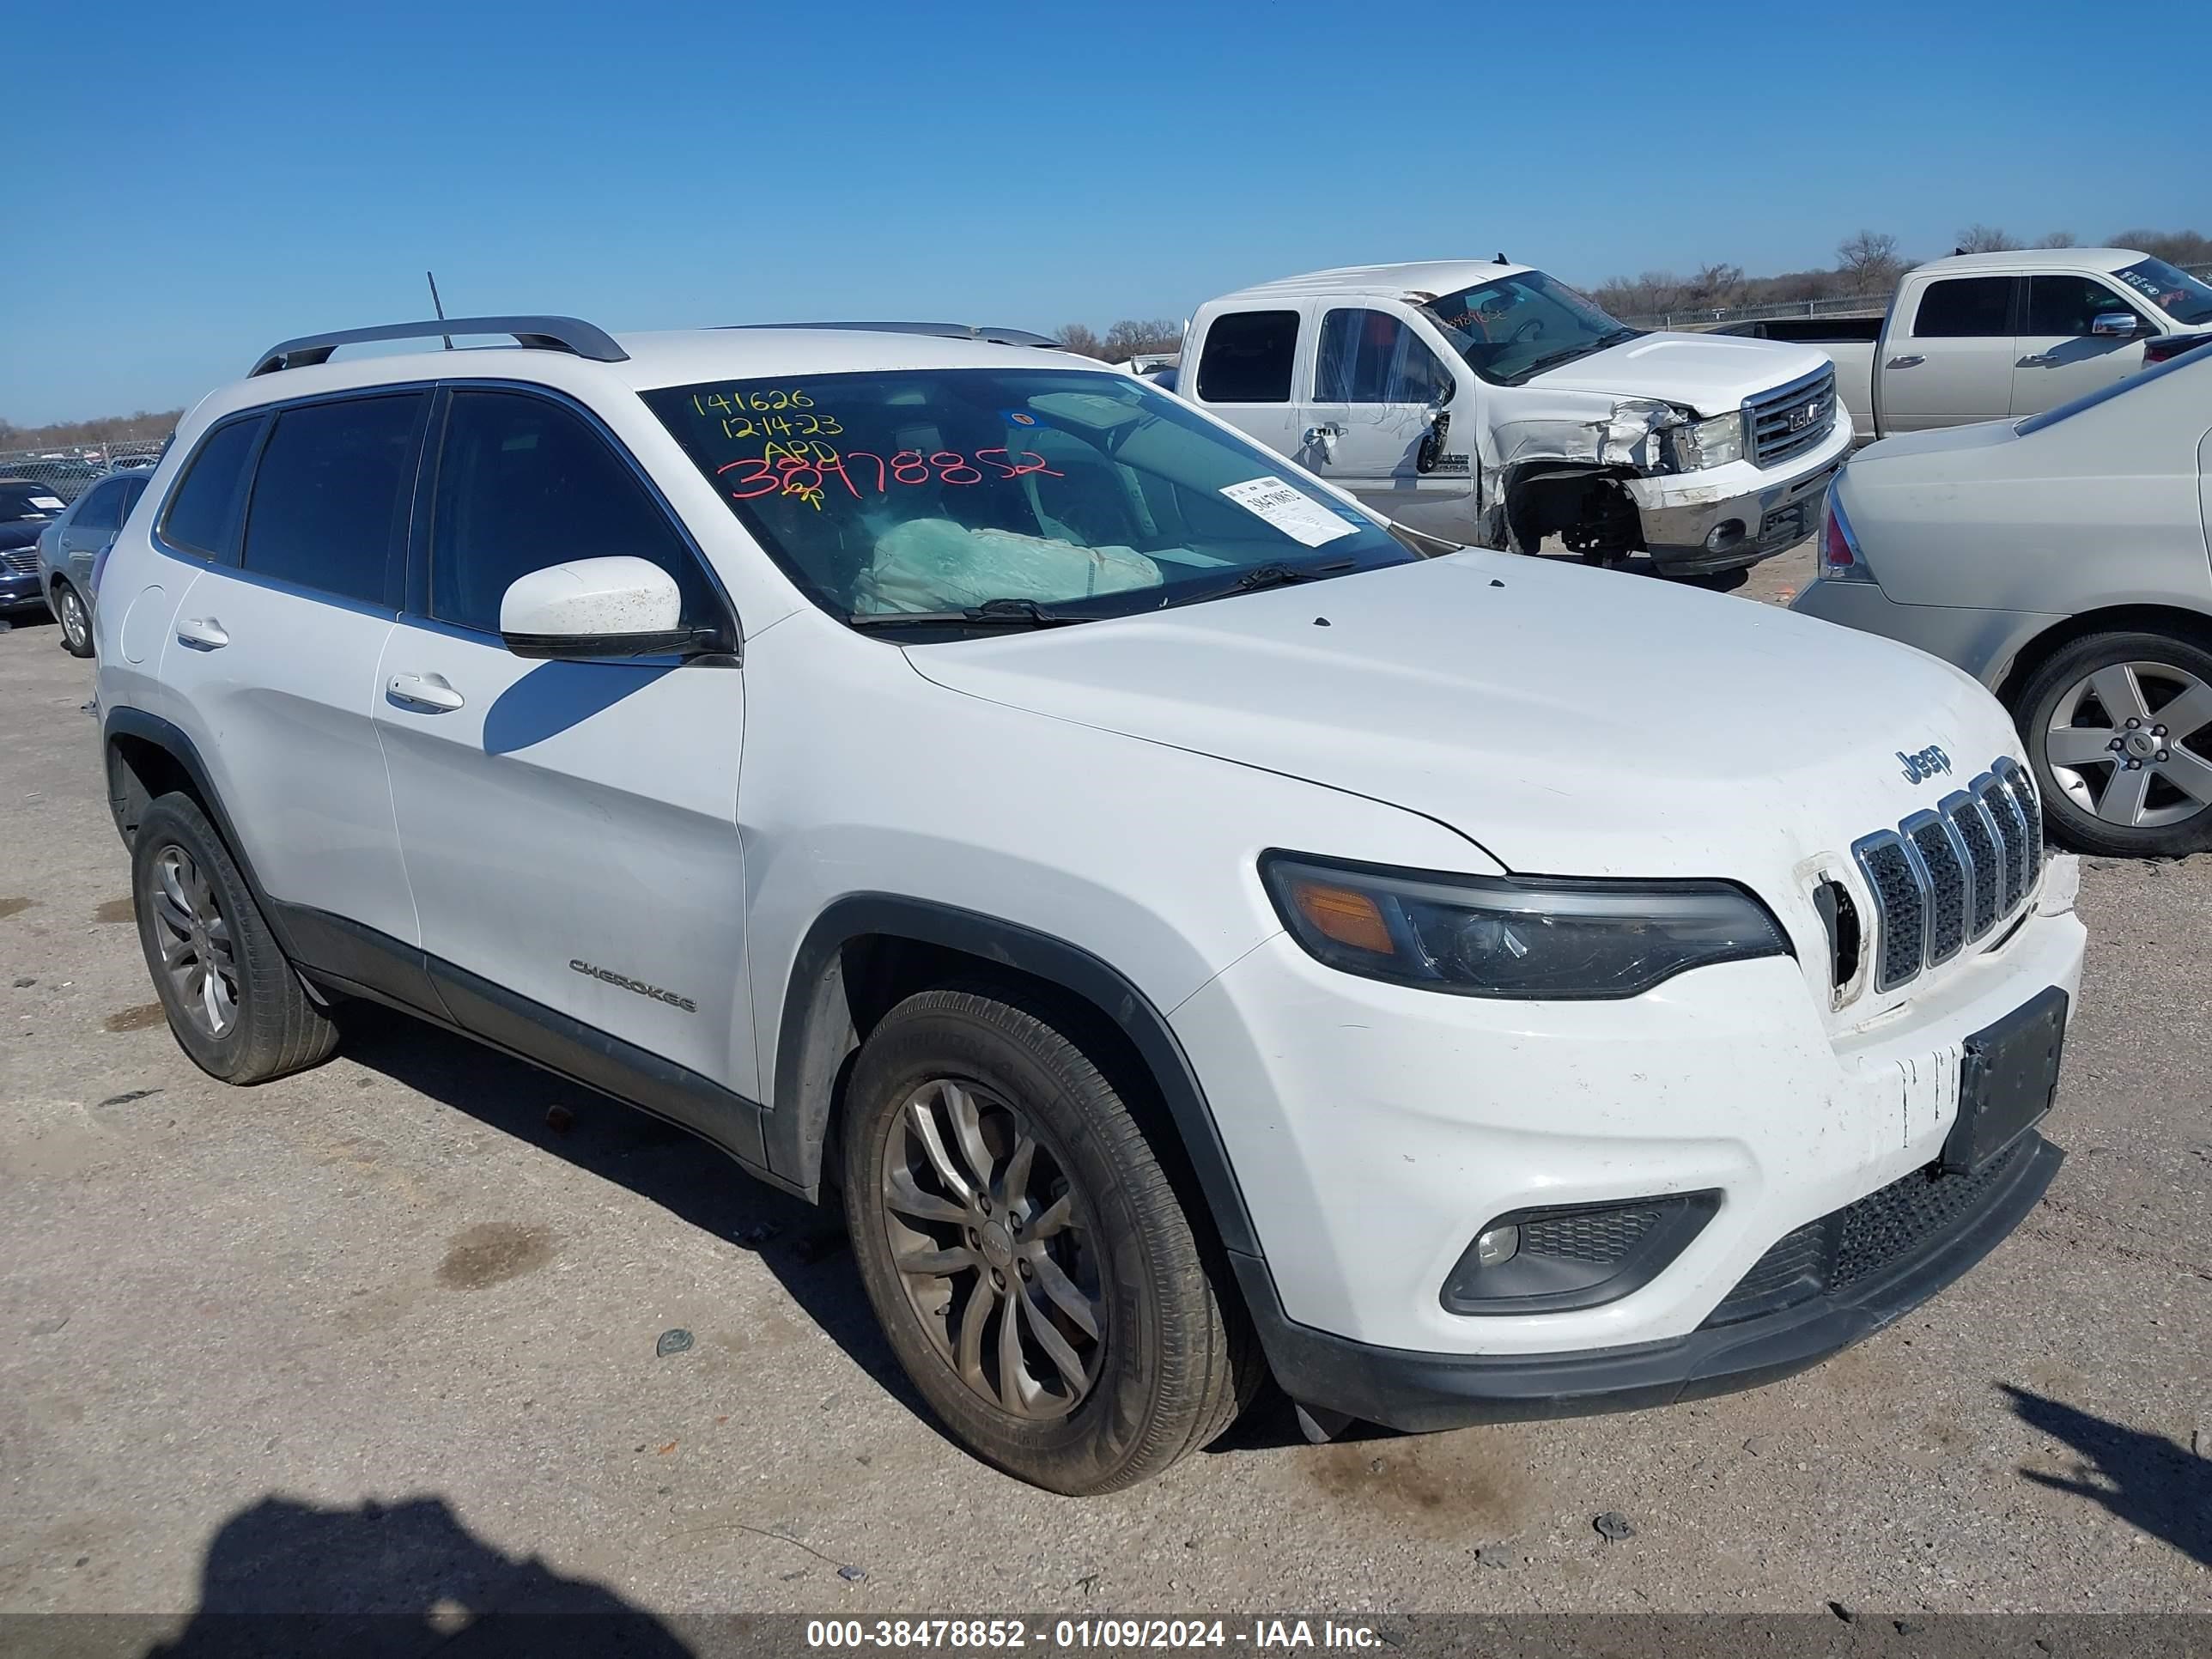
column 1129, row 337
column 2181, row 247
column 2057, row 238
column 1984, row 239
column 1078, row 338
column 1714, row 287
column 1868, row 261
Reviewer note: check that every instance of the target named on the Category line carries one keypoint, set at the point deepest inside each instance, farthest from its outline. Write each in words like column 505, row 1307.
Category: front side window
column 102, row 508
column 929, row 491
column 523, row 484
column 2069, row 304
column 1965, row 308
column 1372, row 357
column 1248, row 358
column 1511, row 329
column 204, row 507
column 2172, row 290
column 331, row 493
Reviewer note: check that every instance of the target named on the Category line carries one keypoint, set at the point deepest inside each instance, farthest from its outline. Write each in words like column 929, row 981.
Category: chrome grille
column 1944, row 877
column 1791, row 419
column 23, row 560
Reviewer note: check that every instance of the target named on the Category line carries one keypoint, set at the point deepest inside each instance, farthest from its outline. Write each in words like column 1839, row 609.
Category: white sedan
column 2062, row 561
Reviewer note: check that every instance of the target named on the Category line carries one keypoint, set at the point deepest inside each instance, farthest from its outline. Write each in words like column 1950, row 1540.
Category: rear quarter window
column 204, row 508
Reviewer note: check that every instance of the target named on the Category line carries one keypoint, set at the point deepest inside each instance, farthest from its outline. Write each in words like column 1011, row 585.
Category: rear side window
column 102, row 508
column 1248, row 358
column 203, row 508
column 1965, row 307
column 2068, row 305
column 332, row 494
column 1371, row 357
column 524, row 483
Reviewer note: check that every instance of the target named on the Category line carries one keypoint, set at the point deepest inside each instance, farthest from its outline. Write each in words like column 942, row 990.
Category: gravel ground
column 385, row 1332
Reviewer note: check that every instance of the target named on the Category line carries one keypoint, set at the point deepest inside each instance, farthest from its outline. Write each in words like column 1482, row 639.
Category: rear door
column 2060, row 359
column 1247, row 371
column 1376, row 387
column 270, row 662
column 1952, row 360
column 89, row 531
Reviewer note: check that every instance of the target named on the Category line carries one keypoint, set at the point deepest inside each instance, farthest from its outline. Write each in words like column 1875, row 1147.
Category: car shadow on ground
column 2147, row 1480
column 804, row 1246
column 285, row 1577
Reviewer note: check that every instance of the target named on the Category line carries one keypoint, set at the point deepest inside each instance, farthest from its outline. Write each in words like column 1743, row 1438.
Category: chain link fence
column 69, row 470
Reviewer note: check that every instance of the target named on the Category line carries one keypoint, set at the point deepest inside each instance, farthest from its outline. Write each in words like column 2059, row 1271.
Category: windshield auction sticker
column 1291, row 510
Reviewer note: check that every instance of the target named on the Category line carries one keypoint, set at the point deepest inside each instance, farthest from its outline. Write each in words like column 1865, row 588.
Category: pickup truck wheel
column 2119, row 729
column 77, row 625
column 234, row 999
column 1026, row 1253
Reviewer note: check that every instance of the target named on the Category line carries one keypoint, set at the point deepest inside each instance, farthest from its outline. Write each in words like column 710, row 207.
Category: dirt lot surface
column 385, row 1332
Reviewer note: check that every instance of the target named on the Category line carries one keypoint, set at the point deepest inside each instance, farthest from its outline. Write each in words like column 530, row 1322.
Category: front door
column 1952, row 363
column 1377, row 390
column 2060, row 359
column 569, row 828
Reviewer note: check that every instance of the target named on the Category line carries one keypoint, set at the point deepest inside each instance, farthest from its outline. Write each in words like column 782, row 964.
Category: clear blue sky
column 193, row 183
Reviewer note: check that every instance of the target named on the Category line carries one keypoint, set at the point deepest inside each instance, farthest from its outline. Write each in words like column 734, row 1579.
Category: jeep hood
column 1710, row 372
column 1569, row 722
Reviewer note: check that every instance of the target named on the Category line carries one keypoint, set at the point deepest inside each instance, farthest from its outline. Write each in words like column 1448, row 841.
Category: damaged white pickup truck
column 1490, row 403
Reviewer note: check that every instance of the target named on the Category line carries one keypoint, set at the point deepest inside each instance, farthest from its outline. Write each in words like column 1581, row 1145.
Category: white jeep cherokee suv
column 1194, row 934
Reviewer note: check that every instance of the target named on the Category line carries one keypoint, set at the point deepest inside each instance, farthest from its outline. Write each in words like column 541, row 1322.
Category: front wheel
column 76, row 621
column 2119, row 727
column 1027, row 1255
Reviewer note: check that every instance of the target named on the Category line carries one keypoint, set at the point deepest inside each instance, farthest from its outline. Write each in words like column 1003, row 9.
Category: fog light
column 1724, row 536
column 1497, row 1245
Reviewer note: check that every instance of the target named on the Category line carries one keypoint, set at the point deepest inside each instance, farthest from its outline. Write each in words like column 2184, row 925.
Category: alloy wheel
column 77, row 628
column 2131, row 743
column 992, row 1248
column 195, row 941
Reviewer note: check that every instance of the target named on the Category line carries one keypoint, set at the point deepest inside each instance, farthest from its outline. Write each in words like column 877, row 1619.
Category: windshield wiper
column 992, row 613
column 1560, row 359
column 1270, row 575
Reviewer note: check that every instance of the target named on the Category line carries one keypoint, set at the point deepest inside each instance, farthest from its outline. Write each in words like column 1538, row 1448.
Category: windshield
column 2173, row 290
column 28, row 500
column 933, row 491
column 1517, row 327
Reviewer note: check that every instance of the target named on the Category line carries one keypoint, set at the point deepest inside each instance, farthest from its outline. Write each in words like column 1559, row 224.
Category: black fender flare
column 814, row 1034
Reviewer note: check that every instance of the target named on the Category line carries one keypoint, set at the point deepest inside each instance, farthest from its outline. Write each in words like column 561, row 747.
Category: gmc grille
column 1944, row 879
column 1791, row 419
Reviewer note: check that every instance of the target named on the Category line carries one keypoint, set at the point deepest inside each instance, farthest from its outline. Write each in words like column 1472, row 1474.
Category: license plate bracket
column 2007, row 1077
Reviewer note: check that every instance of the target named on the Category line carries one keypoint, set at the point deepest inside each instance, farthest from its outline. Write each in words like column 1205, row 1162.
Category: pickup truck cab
column 1492, row 404
column 1991, row 337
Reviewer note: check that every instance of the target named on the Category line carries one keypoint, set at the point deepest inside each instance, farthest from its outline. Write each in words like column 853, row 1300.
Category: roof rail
column 539, row 333
column 1018, row 337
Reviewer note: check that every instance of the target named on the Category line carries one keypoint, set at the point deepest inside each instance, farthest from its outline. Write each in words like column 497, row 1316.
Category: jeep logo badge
column 1919, row 768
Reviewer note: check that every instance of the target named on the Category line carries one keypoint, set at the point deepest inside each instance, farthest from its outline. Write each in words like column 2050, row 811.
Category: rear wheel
column 76, row 621
column 2119, row 729
column 1026, row 1252
column 233, row 998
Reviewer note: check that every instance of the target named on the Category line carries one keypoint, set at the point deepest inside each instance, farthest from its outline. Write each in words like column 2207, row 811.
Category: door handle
column 2034, row 360
column 1323, row 438
column 1913, row 362
column 425, row 691
column 202, row 633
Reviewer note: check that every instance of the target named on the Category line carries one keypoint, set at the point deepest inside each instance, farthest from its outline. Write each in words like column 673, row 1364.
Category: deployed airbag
column 934, row 564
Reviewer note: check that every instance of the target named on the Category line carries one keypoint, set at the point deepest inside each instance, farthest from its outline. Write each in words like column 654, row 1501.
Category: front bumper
column 20, row 586
column 1422, row 1392
column 1697, row 523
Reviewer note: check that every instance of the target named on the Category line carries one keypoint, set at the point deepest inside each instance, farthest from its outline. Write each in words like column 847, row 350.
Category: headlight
column 1497, row 936
column 1701, row 444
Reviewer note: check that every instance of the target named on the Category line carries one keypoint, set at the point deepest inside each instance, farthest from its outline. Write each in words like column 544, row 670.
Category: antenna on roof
column 438, row 305
column 1502, row 260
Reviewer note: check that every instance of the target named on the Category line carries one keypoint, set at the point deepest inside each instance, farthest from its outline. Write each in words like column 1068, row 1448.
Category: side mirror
column 2110, row 324
column 612, row 607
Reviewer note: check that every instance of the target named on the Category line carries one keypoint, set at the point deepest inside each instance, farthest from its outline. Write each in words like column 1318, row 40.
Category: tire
column 2161, row 806
column 1169, row 1357
column 76, row 621
column 195, row 908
